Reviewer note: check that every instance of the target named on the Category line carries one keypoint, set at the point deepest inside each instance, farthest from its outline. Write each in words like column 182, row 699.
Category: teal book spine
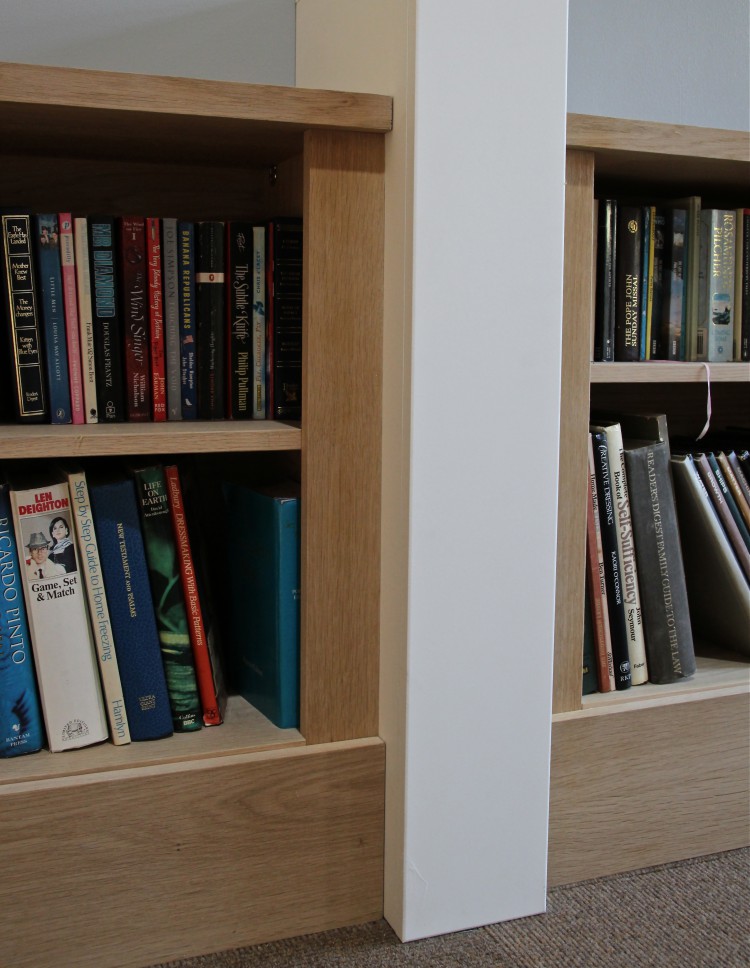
column 168, row 597
column 21, row 729
column 265, row 598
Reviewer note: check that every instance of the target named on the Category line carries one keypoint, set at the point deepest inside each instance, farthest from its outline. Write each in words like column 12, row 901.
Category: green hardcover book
column 169, row 600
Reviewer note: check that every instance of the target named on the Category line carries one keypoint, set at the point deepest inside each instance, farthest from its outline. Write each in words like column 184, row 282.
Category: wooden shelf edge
column 661, row 371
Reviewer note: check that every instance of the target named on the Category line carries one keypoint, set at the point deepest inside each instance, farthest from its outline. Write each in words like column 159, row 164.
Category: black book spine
column 239, row 319
column 612, row 565
column 604, row 319
column 211, row 318
column 285, row 318
column 629, row 284
column 657, row 287
column 105, row 310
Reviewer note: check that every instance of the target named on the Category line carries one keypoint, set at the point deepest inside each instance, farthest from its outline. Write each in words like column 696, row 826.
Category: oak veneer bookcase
column 657, row 773
column 240, row 833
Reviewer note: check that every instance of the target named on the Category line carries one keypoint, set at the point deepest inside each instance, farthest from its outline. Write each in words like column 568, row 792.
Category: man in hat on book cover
column 38, row 565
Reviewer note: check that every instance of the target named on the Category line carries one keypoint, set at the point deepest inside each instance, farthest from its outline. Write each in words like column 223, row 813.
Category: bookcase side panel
column 574, row 414
column 341, row 444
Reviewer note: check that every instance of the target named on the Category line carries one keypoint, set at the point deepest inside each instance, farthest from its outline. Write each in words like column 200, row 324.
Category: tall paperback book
column 596, row 584
column 259, row 322
column 674, row 307
column 240, row 284
column 604, row 327
column 21, row 729
column 105, row 311
column 210, row 315
column 126, row 582
column 264, row 587
column 25, row 352
column 64, row 655
column 721, row 506
column 101, row 625
column 284, row 318
column 72, row 330
column 134, row 284
column 85, row 317
column 168, row 598
column 49, row 279
column 156, row 321
column 188, row 340
column 170, row 276
column 716, row 282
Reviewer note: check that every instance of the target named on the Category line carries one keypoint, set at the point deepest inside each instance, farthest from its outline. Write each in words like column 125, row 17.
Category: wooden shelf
column 659, row 371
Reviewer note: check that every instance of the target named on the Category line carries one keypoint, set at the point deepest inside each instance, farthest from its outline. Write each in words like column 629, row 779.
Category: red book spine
column 156, row 317
column 72, row 333
column 203, row 665
column 135, row 318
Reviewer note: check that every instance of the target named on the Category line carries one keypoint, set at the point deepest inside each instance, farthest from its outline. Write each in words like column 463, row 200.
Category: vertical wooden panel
column 341, row 435
column 574, row 415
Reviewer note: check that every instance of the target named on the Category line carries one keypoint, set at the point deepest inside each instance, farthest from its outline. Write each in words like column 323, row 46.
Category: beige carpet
column 694, row 914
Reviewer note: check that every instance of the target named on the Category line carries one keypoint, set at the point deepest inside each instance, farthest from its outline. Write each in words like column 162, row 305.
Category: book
column 72, row 330
column 664, row 602
column 21, row 728
column 168, row 598
column 719, row 593
column 655, row 283
column 210, row 317
column 105, row 310
column 135, row 311
column 188, row 342
column 284, row 318
column 240, row 323
column 604, row 313
column 648, row 213
column 201, row 626
column 25, row 370
column 264, row 586
column 596, row 584
column 49, row 280
column 259, row 322
column 744, row 340
column 589, row 678
column 674, row 305
column 171, row 281
column 741, row 496
column 626, row 549
column 629, row 283
column 62, row 642
column 612, row 564
column 729, row 497
column 156, row 321
column 722, row 509
column 126, row 583
column 85, row 317
column 96, row 595
column 716, row 282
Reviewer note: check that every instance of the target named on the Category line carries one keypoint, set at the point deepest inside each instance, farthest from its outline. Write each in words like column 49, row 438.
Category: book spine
column 647, row 256
column 126, row 583
column 49, row 279
column 745, row 288
column 156, row 321
column 720, row 297
column 72, row 331
column 259, row 322
column 596, row 582
column 85, row 318
column 629, row 287
column 656, row 284
column 604, row 328
column 66, row 665
column 171, row 317
column 666, row 614
column 199, row 635
column 612, row 565
column 188, row 341
column 240, row 334
column 106, row 317
column 741, row 499
column 729, row 498
column 136, row 353
column 210, row 312
column 285, row 303
column 20, row 305
column 101, row 625
column 675, row 303
column 21, row 729
column 589, row 677
column 169, row 601
column 694, row 346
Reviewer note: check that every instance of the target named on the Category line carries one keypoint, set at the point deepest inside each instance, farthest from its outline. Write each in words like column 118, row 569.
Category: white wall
column 241, row 40
column 678, row 61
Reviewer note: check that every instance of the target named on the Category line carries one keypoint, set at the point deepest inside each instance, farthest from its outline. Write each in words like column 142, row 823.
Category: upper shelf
column 127, row 116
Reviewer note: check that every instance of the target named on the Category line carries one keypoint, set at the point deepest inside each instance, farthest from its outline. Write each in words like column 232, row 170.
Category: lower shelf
column 134, row 866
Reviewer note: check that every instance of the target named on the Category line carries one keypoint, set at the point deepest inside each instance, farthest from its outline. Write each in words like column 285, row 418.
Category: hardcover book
column 168, row 598
column 716, row 282
column 126, row 582
column 722, row 509
column 72, row 325
column 589, row 679
column 604, row 327
column 49, row 278
column 674, row 307
column 85, row 318
column 21, row 729
column 64, row 655
column 211, row 316
column 105, row 310
column 264, row 586
column 596, row 584
column 156, row 321
column 20, row 306
column 629, row 283
column 188, row 341
column 744, row 343
column 134, row 283
column 101, row 625
column 171, row 282
column 284, row 320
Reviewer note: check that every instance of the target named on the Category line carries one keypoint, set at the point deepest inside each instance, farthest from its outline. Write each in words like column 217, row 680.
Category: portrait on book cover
column 49, row 550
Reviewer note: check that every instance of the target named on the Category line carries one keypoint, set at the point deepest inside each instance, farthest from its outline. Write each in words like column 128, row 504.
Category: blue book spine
column 265, row 600
column 188, row 344
column 126, row 582
column 49, row 278
column 21, row 729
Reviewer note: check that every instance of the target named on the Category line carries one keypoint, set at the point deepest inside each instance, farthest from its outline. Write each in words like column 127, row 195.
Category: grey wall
column 239, row 40
column 678, row 61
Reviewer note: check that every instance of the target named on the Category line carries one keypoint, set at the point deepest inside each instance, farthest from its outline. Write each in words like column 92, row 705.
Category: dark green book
column 168, row 596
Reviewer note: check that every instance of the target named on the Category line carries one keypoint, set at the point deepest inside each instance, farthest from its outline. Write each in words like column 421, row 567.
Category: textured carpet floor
column 694, row 914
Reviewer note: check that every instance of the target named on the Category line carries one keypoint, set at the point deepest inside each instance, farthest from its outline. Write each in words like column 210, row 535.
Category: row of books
column 109, row 623
column 672, row 282
column 668, row 553
column 137, row 318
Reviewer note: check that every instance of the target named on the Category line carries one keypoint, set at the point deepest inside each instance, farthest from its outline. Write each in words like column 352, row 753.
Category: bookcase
column 657, row 773
column 241, row 833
